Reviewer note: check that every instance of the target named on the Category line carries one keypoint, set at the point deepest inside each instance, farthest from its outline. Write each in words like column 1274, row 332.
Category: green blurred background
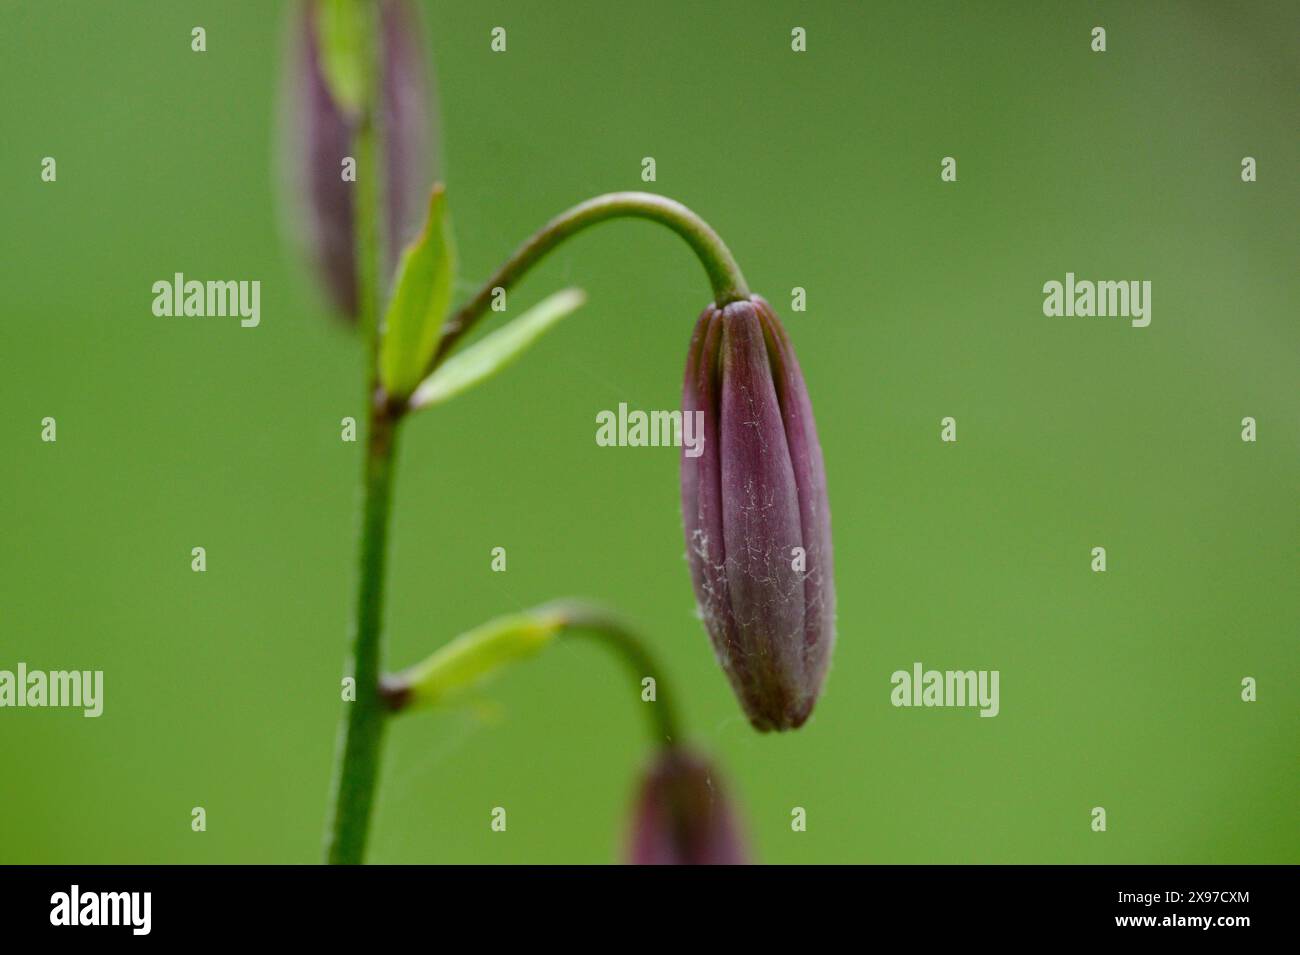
column 821, row 170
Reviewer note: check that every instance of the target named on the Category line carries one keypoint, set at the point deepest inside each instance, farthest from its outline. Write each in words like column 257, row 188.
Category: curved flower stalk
column 467, row 662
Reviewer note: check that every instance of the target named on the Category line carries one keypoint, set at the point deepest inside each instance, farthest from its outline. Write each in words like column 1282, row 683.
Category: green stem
column 724, row 274
column 361, row 728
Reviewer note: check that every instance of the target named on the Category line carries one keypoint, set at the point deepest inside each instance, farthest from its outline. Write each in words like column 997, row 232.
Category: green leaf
column 489, row 355
column 473, row 657
column 423, row 292
column 341, row 32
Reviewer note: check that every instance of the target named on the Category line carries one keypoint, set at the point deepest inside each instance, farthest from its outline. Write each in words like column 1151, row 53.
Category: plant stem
column 724, row 274
column 361, row 728
column 593, row 621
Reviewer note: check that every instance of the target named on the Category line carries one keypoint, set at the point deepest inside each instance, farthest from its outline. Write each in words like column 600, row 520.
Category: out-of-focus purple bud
column 318, row 136
column 682, row 816
column 757, row 519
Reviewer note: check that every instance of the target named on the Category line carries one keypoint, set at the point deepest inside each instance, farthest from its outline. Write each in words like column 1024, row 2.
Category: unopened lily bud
column 319, row 159
column 682, row 816
column 755, row 510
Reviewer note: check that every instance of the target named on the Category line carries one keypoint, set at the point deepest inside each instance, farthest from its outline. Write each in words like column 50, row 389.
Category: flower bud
column 757, row 520
column 682, row 816
column 319, row 137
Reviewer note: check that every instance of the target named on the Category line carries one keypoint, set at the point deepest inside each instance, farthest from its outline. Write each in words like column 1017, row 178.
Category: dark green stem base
column 361, row 731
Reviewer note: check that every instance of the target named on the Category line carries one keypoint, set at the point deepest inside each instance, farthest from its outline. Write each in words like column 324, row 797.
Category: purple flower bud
column 758, row 524
column 683, row 817
column 319, row 137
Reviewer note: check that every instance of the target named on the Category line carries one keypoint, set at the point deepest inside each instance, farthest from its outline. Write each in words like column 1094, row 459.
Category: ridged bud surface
column 756, row 515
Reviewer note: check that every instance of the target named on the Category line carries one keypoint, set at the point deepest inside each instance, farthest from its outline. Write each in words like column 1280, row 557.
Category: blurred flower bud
column 682, row 816
column 757, row 520
column 317, row 138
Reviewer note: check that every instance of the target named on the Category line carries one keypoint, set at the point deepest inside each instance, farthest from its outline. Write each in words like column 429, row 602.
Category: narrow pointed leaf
column 420, row 300
column 486, row 357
